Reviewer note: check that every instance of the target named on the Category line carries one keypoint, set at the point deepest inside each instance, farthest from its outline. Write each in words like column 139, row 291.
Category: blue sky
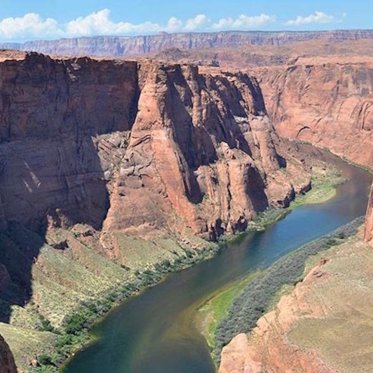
column 48, row 19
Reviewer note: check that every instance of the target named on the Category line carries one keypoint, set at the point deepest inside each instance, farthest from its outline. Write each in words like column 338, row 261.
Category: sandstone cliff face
column 137, row 147
column 137, row 45
column 49, row 110
column 7, row 364
column 327, row 102
column 369, row 220
column 201, row 155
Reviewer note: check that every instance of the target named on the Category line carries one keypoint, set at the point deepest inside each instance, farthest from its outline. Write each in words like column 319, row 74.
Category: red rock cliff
column 328, row 102
column 137, row 146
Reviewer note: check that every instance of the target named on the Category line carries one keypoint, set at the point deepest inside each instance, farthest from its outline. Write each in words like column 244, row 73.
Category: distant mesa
column 139, row 45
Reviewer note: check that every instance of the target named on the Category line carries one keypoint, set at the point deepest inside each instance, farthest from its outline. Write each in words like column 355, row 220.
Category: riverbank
column 156, row 331
column 56, row 345
column 263, row 291
column 323, row 322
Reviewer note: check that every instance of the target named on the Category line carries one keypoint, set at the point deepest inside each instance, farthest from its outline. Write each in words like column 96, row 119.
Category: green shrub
column 76, row 323
column 45, row 360
column 45, row 325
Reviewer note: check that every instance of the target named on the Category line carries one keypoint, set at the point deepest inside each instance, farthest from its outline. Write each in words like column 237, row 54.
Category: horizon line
column 187, row 33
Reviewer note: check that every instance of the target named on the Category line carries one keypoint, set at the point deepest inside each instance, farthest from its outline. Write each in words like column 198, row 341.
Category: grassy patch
column 27, row 344
column 216, row 308
column 324, row 186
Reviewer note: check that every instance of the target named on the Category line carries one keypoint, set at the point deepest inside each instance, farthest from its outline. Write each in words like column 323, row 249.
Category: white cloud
column 196, row 23
column 243, row 22
column 99, row 23
column 31, row 25
column 317, row 17
column 174, row 24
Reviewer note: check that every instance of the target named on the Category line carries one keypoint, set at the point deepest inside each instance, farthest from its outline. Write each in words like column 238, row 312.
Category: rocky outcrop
column 369, row 220
column 137, row 147
column 138, row 45
column 322, row 326
column 325, row 101
column 7, row 364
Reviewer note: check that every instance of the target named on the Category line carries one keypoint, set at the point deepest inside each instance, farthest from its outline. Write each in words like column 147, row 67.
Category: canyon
column 155, row 156
column 105, row 162
column 172, row 147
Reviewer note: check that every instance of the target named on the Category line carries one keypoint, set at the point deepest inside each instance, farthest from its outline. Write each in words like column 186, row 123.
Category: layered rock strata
column 139, row 147
column 325, row 101
column 137, row 45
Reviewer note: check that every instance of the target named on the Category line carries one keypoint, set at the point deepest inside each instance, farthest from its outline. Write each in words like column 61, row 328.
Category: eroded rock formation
column 138, row 147
column 7, row 364
column 325, row 101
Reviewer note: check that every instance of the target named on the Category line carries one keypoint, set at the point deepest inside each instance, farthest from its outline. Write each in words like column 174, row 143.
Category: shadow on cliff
column 68, row 189
column 50, row 170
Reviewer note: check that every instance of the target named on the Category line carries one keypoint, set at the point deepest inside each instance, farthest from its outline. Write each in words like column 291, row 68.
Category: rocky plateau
column 138, row 45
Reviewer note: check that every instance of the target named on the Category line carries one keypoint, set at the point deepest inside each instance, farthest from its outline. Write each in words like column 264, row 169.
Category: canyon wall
column 7, row 364
column 137, row 147
column 325, row 101
column 137, row 45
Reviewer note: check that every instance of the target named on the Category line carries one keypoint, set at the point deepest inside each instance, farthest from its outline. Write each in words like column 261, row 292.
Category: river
column 155, row 332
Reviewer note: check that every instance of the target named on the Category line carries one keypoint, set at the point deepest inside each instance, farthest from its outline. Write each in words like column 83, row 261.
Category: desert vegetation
column 74, row 332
